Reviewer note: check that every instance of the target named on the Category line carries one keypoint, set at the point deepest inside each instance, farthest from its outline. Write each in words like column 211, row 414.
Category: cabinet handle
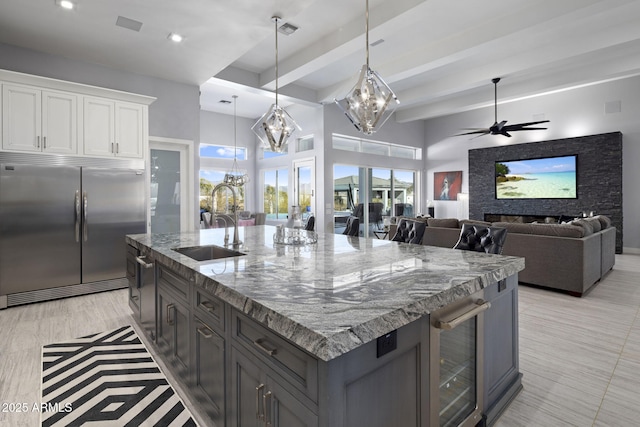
column 266, row 403
column 38, row 141
column 169, row 308
column 117, row 147
column 77, row 219
column 112, row 148
column 143, row 263
column 205, row 332
column 85, row 208
column 208, row 306
column 44, row 142
column 259, row 343
column 259, row 414
column 480, row 306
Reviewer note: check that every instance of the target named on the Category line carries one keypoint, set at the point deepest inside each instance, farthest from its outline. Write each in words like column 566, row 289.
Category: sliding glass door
column 384, row 193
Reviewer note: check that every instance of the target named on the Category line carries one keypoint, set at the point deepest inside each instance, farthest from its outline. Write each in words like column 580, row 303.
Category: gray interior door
column 39, row 248
column 113, row 203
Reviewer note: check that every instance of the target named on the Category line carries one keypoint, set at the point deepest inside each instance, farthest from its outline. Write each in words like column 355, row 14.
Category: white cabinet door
column 59, row 123
column 21, row 118
column 98, row 128
column 129, row 130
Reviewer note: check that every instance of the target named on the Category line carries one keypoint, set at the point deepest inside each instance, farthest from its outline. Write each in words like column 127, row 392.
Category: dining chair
column 480, row 238
column 353, row 226
column 409, row 231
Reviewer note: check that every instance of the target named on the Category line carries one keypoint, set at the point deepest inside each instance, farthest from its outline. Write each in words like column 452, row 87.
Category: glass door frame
column 304, row 163
column 187, row 181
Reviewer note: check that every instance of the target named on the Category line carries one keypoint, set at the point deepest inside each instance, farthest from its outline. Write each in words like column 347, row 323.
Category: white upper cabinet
column 59, row 122
column 38, row 120
column 58, row 117
column 113, row 128
column 129, row 129
column 98, row 127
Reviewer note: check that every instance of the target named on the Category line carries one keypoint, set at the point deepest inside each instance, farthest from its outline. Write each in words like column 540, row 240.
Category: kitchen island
column 336, row 333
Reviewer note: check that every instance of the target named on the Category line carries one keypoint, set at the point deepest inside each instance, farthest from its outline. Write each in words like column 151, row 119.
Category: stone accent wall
column 599, row 175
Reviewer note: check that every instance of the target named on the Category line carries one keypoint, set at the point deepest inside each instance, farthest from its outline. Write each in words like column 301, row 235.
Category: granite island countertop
column 337, row 294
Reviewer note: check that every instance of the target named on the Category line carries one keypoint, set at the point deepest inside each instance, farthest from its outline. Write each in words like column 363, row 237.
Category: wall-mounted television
column 539, row 178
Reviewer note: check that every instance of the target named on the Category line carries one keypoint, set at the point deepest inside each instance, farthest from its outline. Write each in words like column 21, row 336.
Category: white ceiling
column 438, row 55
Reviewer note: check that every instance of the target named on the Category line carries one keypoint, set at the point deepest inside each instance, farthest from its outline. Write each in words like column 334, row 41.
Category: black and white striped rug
column 107, row 379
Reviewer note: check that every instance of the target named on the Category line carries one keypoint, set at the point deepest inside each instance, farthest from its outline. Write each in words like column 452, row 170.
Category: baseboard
column 633, row 251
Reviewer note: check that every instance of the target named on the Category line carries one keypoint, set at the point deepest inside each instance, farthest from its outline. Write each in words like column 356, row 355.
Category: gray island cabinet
column 344, row 332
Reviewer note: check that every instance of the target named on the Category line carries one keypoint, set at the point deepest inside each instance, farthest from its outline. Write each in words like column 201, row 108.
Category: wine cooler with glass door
column 456, row 363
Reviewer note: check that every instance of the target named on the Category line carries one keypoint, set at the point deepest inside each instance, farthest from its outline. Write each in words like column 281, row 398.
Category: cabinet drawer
column 210, row 308
column 289, row 361
column 174, row 281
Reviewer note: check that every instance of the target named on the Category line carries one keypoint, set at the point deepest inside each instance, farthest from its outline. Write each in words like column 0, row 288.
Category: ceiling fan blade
column 478, row 131
column 530, row 123
column 505, row 133
column 519, row 129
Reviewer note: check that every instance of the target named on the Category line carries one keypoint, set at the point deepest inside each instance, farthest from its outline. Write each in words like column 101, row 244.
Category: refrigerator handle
column 85, row 232
column 77, row 205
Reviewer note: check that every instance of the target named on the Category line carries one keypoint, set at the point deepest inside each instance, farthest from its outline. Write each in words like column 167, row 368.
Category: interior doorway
column 171, row 186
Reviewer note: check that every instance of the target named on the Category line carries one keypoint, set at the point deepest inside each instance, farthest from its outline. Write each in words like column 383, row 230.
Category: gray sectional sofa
column 569, row 257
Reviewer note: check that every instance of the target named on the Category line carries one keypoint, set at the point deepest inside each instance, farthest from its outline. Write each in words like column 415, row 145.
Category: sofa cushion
column 595, row 224
column 558, row 230
column 586, row 225
column 474, row 222
column 443, row 222
column 605, row 222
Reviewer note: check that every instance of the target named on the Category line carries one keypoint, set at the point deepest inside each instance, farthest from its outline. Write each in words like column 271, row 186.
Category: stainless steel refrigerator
column 62, row 229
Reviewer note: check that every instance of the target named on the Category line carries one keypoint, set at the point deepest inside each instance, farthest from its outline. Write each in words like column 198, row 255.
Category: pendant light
column 276, row 126
column 234, row 177
column 371, row 101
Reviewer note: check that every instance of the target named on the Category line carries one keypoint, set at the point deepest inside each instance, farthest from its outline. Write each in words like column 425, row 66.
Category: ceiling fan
column 501, row 128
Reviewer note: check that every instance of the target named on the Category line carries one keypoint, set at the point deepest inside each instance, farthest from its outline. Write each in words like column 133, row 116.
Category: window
column 359, row 145
column 268, row 154
column 223, row 199
column 222, row 152
column 305, row 144
column 276, row 196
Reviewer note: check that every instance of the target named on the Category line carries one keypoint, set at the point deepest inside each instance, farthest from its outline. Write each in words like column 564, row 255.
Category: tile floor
column 580, row 356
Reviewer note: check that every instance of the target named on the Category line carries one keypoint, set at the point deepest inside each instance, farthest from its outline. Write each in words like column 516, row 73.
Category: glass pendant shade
column 234, row 177
column 275, row 128
column 370, row 103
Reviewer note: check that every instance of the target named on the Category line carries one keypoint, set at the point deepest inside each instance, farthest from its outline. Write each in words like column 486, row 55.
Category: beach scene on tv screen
column 546, row 178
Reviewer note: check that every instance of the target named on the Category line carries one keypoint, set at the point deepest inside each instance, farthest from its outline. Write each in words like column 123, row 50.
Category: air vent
column 129, row 24
column 287, row 29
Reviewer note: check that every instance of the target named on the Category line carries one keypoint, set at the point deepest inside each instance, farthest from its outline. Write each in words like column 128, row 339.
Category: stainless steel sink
column 205, row 253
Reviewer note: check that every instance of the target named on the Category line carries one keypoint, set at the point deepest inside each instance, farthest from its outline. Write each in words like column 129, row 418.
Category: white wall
column 571, row 113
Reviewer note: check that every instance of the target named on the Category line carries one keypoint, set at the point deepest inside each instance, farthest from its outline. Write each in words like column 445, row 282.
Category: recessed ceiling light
column 175, row 37
column 66, row 4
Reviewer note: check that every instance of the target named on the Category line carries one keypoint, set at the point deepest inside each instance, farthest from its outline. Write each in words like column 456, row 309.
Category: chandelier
column 276, row 126
column 234, row 177
column 371, row 101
